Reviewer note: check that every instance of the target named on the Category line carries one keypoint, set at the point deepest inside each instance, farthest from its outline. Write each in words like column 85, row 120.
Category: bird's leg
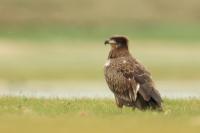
column 118, row 102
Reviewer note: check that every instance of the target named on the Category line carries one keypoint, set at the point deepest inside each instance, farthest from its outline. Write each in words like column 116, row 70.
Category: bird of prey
column 128, row 79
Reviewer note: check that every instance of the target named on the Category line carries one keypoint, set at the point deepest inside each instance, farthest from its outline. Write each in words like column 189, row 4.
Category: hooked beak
column 106, row 42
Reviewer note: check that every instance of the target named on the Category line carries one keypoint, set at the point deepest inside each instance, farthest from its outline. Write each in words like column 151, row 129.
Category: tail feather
column 155, row 95
column 150, row 94
column 151, row 104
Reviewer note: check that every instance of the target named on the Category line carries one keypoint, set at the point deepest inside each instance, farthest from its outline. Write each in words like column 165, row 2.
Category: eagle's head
column 117, row 42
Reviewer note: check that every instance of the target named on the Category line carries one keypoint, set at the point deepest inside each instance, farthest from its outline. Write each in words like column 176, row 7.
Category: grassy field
column 19, row 115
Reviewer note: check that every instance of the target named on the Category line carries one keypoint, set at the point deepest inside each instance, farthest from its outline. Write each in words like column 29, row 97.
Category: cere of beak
column 110, row 42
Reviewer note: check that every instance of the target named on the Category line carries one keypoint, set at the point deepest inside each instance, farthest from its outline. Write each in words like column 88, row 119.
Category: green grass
column 91, row 107
column 89, row 115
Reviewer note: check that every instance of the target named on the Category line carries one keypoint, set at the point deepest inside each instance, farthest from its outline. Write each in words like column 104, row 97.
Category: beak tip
column 106, row 42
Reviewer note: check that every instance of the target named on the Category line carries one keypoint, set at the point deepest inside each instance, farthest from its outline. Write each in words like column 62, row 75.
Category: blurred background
column 55, row 47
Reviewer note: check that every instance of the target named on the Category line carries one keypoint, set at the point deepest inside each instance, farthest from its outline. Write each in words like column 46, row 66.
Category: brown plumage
column 129, row 80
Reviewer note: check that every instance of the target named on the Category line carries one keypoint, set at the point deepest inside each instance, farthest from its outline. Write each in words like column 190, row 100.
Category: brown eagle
column 128, row 79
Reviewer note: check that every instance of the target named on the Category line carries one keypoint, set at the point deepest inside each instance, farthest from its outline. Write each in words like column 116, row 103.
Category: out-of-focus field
column 58, row 45
column 63, row 39
column 95, row 12
column 84, row 60
column 35, row 61
column 87, row 115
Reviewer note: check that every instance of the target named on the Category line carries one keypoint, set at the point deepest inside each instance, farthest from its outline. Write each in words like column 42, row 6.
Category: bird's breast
column 107, row 63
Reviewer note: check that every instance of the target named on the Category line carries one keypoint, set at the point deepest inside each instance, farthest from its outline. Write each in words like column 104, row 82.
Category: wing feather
column 147, row 87
column 124, row 76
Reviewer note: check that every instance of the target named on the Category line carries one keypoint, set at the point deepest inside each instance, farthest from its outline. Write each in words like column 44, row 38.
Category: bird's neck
column 118, row 52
